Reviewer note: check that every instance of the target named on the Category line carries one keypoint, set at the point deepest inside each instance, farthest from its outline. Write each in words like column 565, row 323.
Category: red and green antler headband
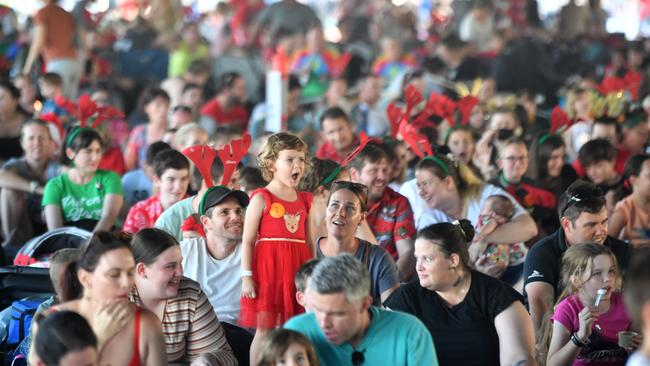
column 363, row 141
column 84, row 110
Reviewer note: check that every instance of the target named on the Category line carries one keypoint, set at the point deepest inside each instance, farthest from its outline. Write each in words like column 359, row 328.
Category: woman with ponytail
column 630, row 219
column 451, row 191
column 474, row 319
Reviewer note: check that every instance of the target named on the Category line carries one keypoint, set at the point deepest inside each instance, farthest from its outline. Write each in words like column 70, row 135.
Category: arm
column 386, row 294
column 519, row 229
column 406, row 259
column 110, row 209
column 540, row 300
column 252, row 223
column 152, row 341
column 516, row 336
column 38, row 40
column 11, row 180
column 616, row 224
column 561, row 351
column 53, row 217
column 206, row 339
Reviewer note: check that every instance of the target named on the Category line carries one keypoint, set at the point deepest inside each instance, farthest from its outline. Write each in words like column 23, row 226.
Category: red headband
column 86, row 108
column 231, row 154
column 417, row 141
column 202, row 156
column 54, row 119
column 559, row 119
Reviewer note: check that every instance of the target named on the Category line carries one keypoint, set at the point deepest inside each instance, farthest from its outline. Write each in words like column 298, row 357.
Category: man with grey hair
column 347, row 330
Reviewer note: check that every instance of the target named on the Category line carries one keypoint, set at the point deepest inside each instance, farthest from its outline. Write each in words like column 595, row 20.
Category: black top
column 560, row 183
column 544, row 260
column 464, row 334
column 10, row 148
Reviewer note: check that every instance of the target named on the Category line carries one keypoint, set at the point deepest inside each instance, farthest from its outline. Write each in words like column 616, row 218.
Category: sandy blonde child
column 275, row 239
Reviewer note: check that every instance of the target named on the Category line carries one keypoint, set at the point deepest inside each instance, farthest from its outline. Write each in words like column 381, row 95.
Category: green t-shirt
column 85, row 201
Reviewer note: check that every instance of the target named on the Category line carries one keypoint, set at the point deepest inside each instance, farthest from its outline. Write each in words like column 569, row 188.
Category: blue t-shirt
column 137, row 187
column 393, row 338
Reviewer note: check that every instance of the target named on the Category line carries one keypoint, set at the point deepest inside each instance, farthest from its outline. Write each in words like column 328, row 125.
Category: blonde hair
column 576, row 261
column 183, row 133
column 276, row 344
column 276, row 143
column 571, row 97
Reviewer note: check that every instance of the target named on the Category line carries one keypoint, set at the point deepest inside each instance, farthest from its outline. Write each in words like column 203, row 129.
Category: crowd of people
column 473, row 189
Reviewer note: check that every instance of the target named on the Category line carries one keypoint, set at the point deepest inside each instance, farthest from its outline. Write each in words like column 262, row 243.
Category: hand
column 587, row 318
column 494, row 270
column 476, row 249
column 483, row 151
column 637, row 340
column 486, row 229
column 248, row 287
column 110, row 318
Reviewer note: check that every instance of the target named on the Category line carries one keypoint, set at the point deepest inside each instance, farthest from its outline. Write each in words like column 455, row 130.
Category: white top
column 638, row 359
column 425, row 216
column 219, row 279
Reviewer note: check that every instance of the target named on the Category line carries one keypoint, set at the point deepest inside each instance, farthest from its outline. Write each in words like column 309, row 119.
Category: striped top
column 191, row 327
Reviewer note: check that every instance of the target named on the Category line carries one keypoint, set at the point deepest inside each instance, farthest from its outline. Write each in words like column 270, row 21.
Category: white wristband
column 247, row 273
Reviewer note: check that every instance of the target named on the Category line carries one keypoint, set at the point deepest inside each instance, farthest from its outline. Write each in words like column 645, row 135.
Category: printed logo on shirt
column 277, row 210
column 535, row 274
column 291, row 222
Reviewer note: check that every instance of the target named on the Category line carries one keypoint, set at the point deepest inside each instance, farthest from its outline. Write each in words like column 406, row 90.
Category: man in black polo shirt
column 583, row 218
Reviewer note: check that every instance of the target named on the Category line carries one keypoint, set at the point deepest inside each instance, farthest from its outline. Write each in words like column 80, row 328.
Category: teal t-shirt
column 393, row 338
column 172, row 218
column 81, row 201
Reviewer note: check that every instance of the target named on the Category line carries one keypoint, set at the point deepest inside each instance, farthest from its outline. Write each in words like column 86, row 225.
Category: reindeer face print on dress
column 292, row 221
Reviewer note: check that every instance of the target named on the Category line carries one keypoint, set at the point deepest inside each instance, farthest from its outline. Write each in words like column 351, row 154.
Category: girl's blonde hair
column 276, row 344
column 276, row 143
column 571, row 97
column 576, row 261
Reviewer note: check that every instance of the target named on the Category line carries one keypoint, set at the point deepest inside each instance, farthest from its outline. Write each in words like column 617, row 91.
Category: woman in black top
column 474, row 319
column 12, row 117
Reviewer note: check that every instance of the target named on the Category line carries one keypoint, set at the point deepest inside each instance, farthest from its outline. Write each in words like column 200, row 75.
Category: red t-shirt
column 237, row 115
column 113, row 160
column 391, row 219
column 143, row 215
column 59, row 32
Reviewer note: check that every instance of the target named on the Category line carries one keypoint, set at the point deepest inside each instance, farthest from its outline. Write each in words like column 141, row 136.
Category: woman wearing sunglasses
column 346, row 209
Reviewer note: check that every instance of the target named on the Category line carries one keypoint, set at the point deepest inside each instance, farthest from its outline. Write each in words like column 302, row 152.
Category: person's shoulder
column 621, row 249
column 107, row 174
column 401, row 320
column 188, row 288
column 14, row 164
column 545, row 245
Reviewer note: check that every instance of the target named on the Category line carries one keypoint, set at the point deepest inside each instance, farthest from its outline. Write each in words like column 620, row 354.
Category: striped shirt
column 191, row 327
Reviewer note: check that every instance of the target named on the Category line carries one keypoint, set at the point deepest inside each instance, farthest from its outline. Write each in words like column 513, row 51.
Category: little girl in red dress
column 275, row 239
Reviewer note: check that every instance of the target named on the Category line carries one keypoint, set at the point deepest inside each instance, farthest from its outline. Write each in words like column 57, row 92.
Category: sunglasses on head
column 582, row 196
column 354, row 187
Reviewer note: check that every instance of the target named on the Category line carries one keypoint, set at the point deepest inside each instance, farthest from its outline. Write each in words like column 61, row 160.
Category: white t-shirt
column 425, row 216
column 638, row 359
column 219, row 279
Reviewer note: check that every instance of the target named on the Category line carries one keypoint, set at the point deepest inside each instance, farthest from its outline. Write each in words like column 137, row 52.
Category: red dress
column 279, row 251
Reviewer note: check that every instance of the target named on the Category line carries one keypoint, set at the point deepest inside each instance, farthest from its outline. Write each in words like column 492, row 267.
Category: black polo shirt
column 544, row 260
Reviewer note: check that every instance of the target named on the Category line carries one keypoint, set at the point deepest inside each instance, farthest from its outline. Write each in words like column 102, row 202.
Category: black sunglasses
column 358, row 358
column 582, row 196
column 352, row 186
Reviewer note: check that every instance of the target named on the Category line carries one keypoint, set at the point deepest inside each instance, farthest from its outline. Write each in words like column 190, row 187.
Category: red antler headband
column 54, row 119
column 421, row 146
column 202, row 156
column 466, row 106
column 231, row 154
column 363, row 141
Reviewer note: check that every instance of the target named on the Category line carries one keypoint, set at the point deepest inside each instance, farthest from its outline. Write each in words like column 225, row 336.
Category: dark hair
column 451, row 238
column 453, row 42
column 636, row 284
column 333, row 113
column 149, row 243
column 169, row 159
column 198, row 67
column 60, row 333
column 251, row 178
column 612, row 122
column 182, row 108
column 321, row 169
column 190, row 86
column 79, row 138
column 632, row 169
column 540, row 152
column 11, row 88
column 99, row 244
column 581, row 196
column 152, row 93
column 153, row 150
column 294, row 82
column 372, row 153
column 276, row 344
column 358, row 189
column 51, row 78
column 227, row 81
column 303, row 273
column 596, row 150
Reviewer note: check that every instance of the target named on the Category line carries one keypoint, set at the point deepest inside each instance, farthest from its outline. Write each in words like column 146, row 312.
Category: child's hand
column 587, row 319
column 248, row 287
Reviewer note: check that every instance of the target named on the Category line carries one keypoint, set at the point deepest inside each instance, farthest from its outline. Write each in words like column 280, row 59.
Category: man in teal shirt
column 346, row 330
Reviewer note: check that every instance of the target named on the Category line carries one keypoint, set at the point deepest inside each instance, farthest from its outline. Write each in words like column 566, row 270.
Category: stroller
column 29, row 277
